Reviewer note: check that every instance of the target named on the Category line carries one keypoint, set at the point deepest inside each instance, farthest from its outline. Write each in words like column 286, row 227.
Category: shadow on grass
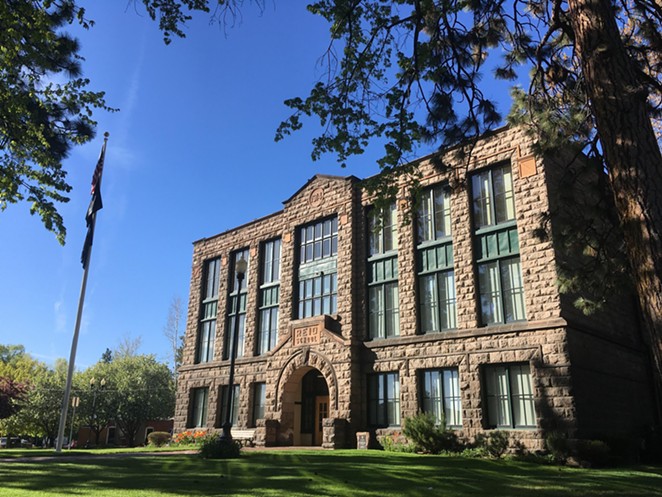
column 340, row 473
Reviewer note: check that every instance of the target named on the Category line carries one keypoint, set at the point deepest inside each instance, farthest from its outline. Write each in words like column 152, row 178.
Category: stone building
column 353, row 318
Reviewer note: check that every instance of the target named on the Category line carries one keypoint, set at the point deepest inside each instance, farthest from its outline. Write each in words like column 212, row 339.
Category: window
column 434, row 216
column 436, row 279
column 207, row 330
column 497, row 247
column 269, row 296
column 384, row 399
column 259, row 401
column 199, row 399
column 236, row 306
column 110, row 435
column 441, row 395
column 318, row 283
column 383, row 299
column 383, row 230
column 509, row 396
column 319, row 240
column 234, row 405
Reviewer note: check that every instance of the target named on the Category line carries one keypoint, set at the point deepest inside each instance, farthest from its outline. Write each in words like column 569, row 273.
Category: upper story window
column 383, row 297
column 493, row 198
column 434, row 215
column 208, row 312
column 383, row 227
column 434, row 252
column 269, row 296
column 318, row 279
column 318, row 240
column 497, row 246
column 237, row 298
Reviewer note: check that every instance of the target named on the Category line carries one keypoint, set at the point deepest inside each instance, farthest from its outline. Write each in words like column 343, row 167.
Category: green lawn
column 316, row 473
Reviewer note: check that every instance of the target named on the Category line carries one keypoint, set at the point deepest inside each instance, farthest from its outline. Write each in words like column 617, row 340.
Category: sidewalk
column 67, row 455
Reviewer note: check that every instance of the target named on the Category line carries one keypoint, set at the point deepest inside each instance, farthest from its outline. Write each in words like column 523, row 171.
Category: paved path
column 66, row 456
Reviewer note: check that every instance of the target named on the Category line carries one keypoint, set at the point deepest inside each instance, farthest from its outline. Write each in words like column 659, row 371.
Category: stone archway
column 306, row 392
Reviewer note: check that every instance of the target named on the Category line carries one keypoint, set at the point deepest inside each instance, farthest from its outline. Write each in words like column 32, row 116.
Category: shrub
column 495, row 444
column 158, row 438
column 557, row 445
column 394, row 442
column 594, row 452
column 428, row 436
column 215, row 448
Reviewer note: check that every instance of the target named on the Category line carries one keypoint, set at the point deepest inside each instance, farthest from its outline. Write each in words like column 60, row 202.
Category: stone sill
column 470, row 333
column 224, row 364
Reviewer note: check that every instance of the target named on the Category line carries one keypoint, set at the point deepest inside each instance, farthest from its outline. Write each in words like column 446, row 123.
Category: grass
column 319, row 473
column 24, row 453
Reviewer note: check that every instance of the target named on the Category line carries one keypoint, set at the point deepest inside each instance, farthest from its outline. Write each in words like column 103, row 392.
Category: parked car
column 3, row 442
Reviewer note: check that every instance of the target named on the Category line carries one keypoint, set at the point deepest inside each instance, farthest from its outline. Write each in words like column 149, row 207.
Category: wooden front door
column 321, row 412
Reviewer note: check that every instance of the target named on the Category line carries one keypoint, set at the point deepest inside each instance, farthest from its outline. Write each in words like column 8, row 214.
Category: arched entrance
column 305, row 405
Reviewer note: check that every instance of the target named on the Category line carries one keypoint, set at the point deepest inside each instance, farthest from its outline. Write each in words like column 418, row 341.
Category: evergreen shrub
column 215, row 448
column 158, row 438
column 427, row 435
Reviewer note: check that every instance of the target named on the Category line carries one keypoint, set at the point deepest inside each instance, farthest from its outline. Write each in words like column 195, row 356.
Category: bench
column 244, row 437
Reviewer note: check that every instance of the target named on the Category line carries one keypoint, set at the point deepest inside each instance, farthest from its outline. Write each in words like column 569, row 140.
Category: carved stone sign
column 307, row 335
column 316, row 197
column 362, row 439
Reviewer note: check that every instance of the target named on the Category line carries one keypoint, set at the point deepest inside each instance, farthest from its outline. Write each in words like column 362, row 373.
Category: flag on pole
column 95, row 205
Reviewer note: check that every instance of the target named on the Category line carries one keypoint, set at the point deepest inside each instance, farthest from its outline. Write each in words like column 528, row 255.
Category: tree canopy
column 40, row 118
column 405, row 71
column 408, row 71
column 128, row 390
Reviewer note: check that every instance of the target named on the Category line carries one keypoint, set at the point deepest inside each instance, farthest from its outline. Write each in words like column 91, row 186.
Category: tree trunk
column 618, row 101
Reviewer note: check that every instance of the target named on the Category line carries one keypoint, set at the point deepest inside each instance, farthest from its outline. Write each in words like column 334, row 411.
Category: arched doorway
column 305, row 405
column 314, row 405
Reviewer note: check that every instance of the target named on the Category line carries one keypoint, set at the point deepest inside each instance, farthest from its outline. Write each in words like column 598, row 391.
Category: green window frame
column 440, row 395
column 234, row 405
column 208, row 311
column 384, row 399
column 269, row 296
column 237, row 299
column 259, row 401
column 496, row 246
column 199, row 400
column 509, row 396
column 383, row 293
column 318, row 279
column 437, row 299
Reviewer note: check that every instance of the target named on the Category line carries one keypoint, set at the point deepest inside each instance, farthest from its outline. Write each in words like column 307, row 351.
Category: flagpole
column 74, row 341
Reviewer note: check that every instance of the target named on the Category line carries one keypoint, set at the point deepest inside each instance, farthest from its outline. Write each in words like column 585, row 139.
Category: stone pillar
column 266, row 432
column 334, row 433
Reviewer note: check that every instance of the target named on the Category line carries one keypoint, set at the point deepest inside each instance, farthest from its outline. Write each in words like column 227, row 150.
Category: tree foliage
column 407, row 71
column 129, row 390
column 142, row 389
column 45, row 106
column 40, row 414
column 11, row 395
column 20, row 369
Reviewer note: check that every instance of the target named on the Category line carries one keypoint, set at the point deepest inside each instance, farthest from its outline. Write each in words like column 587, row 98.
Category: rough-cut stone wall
column 340, row 348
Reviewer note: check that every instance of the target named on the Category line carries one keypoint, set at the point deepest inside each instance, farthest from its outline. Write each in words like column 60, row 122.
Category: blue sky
column 191, row 154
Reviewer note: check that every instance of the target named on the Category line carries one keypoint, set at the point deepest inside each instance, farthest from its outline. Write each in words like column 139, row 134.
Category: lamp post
column 75, row 401
column 95, row 389
column 240, row 271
